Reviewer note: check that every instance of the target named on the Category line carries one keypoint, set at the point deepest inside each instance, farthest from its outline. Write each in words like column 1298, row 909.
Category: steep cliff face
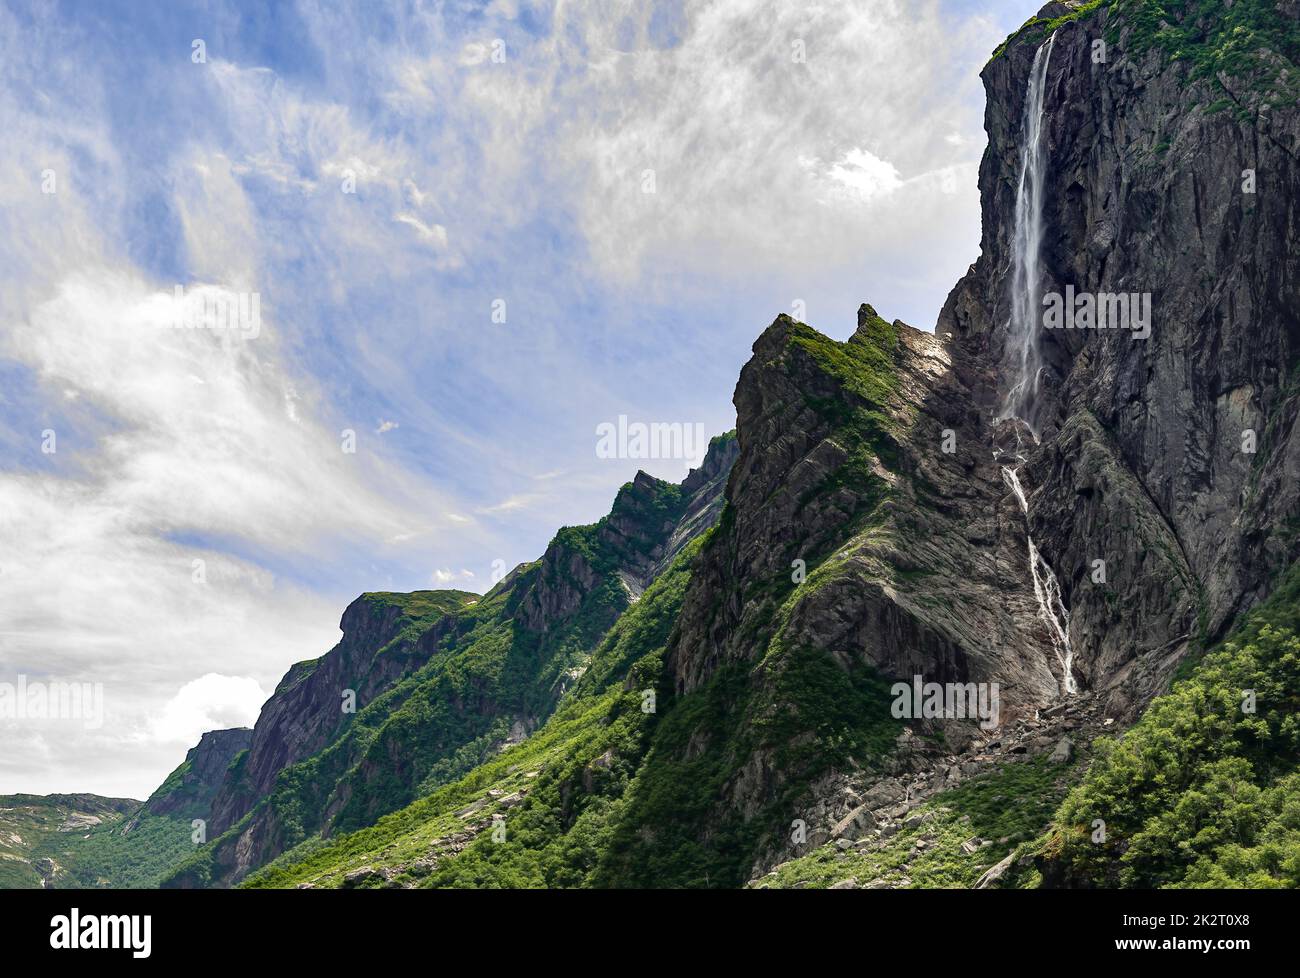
column 1139, row 498
column 441, row 680
column 865, row 520
column 192, row 788
column 1171, row 139
column 306, row 712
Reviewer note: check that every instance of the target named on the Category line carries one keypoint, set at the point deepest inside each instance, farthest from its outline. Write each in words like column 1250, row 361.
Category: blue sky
column 843, row 177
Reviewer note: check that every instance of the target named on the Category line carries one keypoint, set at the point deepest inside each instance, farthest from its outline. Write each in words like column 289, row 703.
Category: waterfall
column 1023, row 362
column 1022, row 359
column 1047, row 589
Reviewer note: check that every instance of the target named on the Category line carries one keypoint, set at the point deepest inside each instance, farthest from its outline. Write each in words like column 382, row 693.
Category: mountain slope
column 770, row 703
column 698, row 690
column 443, row 679
column 557, row 793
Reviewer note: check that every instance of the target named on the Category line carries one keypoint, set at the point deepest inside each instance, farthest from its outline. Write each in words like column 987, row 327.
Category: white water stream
column 1047, row 589
column 1024, row 361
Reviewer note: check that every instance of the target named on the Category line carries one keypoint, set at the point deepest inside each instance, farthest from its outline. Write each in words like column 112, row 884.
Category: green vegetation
column 864, row 375
column 134, row 854
column 63, row 841
column 1039, row 29
column 796, row 716
column 575, row 770
column 38, row 831
column 419, row 610
column 435, row 724
column 616, row 797
column 1251, row 40
column 1200, row 792
column 1216, row 37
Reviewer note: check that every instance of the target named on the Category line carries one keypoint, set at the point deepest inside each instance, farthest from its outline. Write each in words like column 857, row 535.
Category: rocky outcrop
column 306, row 711
column 862, row 812
column 199, row 778
column 914, row 555
column 648, row 525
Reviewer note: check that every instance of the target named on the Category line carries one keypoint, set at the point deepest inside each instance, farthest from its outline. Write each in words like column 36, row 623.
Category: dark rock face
column 915, row 556
column 206, row 765
column 921, row 553
column 1160, row 529
column 1142, row 463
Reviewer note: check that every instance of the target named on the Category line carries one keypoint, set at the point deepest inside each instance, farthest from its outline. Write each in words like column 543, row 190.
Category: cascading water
column 1047, row 589
column 1023, row 360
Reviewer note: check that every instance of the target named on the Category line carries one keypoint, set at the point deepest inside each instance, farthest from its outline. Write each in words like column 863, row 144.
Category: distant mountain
column 64, row 841
column 33, row 830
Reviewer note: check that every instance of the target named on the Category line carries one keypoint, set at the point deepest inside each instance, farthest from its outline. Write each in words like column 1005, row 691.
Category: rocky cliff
column 193, row 787
column 1171, row 139
column 306, row 710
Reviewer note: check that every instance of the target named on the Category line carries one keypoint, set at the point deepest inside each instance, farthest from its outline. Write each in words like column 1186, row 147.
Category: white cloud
column 446, row 575
column 511, row 503
column 211, row 702
column 865, row 174
column 98, row 584
column 434, row 235
column 726, row 117
column 174, row 446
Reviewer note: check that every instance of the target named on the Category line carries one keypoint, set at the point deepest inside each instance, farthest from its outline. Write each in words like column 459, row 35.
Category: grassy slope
column 486, row 673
